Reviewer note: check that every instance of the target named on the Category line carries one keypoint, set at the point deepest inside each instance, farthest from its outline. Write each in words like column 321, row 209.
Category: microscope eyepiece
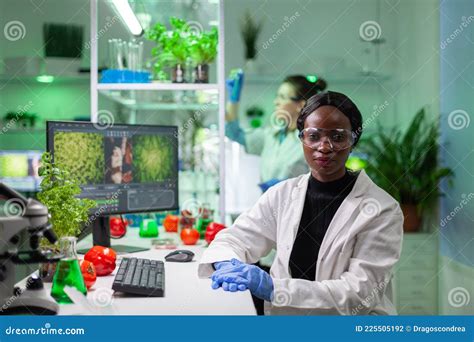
column 49, row 234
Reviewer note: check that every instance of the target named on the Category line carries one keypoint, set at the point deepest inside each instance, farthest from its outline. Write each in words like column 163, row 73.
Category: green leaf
column 405, row 164
column 180, row 44
column 58, row 193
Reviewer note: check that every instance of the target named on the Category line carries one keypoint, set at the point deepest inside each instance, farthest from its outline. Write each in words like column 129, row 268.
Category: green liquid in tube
column 68, row 273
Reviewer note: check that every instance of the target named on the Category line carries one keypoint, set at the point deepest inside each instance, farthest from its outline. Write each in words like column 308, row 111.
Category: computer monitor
column 123, row 168
column 19, row 169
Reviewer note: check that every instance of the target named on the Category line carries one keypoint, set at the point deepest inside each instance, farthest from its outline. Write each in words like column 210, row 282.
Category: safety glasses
column 338, row 139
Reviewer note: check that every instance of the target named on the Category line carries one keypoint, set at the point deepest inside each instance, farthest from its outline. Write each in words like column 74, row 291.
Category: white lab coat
column 278, row 160
column 355, row 261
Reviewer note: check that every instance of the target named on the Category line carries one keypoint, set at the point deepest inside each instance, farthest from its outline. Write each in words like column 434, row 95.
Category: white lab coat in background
column 354, row 266
column 278, row 160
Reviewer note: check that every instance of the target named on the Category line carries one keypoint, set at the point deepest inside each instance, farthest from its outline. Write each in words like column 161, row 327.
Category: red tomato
column 171, row 223
column 211, row 231
column 88, row 273
column 117, row 227
column 189, row 236
column 103, row 259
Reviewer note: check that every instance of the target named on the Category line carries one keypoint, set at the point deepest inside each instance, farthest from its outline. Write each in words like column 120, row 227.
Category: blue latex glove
column 223, row 266
column 268, row 184
column 234, row 85
column 234, row 132
column 252, row 277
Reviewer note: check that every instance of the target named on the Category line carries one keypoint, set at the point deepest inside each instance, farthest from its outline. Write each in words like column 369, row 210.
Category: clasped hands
column 235, row 275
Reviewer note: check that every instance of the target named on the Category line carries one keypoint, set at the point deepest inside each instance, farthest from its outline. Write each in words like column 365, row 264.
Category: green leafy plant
column 181, row 42
column 203, row 46
column 58, row 193
column 406, row 165
column 250, row 31
column 23, row 119
column 172, row 47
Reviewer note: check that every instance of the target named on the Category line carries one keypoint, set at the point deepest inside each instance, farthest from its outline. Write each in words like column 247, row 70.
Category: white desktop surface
column 185, row 293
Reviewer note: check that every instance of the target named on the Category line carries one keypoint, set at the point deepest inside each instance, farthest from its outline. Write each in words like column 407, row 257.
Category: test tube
column 120, row 55
column 131, row 59
column 111, row 61
column 140, row 57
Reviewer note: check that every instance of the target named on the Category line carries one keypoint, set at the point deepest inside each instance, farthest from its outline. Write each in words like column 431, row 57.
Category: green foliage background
column 82, row 155
column 152, row 158
column 13, row 166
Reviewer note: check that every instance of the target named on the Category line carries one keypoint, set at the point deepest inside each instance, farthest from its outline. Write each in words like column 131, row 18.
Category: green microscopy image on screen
column 13, row 165
column 82, row 154
column 153, row 158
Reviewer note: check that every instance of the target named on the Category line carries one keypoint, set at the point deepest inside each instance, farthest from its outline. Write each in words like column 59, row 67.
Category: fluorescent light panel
column 128, row 17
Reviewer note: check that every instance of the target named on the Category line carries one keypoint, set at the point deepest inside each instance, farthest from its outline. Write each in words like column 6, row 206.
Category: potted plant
column 407, row 166
column 203, row 50
column 172, row 48
column 58, row 193
column 250, row 30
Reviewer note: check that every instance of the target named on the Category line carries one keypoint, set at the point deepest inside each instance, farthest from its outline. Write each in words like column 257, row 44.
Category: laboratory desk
column 185, row 293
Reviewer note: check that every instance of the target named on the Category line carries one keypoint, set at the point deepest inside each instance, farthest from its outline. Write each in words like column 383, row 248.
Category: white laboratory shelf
column 158, row 86
column 133, row 103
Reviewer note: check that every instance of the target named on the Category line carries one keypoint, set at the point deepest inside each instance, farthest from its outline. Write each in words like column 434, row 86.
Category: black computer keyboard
column 140, row 276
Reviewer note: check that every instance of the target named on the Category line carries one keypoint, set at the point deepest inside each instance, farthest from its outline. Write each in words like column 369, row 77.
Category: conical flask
column 68, row 272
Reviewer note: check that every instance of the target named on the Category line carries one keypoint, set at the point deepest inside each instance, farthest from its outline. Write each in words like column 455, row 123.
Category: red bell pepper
column 211, row 230
column 118, row 228
column 88, row 273
column 103, row 259
column 171, row 223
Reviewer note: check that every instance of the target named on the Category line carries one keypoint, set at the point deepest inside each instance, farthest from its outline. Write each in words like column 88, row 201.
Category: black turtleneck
column 321, row 203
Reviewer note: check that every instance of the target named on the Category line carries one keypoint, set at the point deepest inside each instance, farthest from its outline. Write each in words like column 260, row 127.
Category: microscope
column 23, row 218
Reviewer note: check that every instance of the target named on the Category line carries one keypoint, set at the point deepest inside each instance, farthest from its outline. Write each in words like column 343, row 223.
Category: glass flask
column 68, row 272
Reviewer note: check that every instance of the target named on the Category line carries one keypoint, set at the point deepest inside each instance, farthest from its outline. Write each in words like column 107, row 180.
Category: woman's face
column 286, row 108
column 326, row 164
